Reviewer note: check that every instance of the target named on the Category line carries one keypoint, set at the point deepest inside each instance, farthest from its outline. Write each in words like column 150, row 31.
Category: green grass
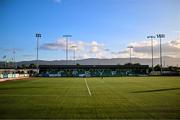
column 112, row 98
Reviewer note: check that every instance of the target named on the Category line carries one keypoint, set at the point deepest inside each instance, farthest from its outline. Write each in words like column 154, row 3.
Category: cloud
column 175, row 43
column 94, row 49
column 60, row 44
column 28, row 56
column 11, row 50
column 172, row 48
column 143, row 49
column 84, row 50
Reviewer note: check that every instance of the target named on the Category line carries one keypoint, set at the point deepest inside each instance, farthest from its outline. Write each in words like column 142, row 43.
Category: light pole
column 14, row 52
column 151, row 37
column 74, row 47
column 67, row 36
column 38, row 35
column 4, row 57
column 130, row 47
column 160, row 36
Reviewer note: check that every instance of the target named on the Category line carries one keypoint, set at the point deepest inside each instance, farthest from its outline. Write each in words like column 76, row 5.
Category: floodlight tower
column 151, row 37
column 38, row 35
column 130, row 48
column 160, row 36
column 67, row 36
column 14, row 52
column 4, row 57
column 74, row 47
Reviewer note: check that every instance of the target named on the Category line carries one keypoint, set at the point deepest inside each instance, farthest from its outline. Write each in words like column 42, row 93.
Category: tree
column 32, row 66
column 157, row 68
column 23, row 66
column 171, row 68
column 78, row 64
column 128, row 64
column 137, row 64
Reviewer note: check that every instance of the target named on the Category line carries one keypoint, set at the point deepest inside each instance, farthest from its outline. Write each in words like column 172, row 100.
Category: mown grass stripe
column 5, row 95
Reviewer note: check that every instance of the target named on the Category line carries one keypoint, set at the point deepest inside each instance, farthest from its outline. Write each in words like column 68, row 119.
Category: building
column 93, row 70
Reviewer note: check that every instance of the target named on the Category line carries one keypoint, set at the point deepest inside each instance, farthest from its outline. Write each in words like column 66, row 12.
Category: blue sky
column 95, row 26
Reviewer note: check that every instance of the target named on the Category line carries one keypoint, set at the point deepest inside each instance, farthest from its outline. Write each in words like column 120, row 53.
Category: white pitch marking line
column 87, row 87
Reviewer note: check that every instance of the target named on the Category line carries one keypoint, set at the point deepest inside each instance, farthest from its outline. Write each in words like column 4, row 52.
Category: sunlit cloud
column 84, row 49
column 60, row 44
column 94, row 49
column 142, row 49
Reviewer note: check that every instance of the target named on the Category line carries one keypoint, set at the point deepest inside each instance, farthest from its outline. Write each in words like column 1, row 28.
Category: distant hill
column 114, row 61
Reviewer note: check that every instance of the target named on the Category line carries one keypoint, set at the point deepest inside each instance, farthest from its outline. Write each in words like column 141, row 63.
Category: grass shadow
column 15, row 88
column 156, row 90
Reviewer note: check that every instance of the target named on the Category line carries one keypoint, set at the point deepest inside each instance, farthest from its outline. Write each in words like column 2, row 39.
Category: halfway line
column 87, row 87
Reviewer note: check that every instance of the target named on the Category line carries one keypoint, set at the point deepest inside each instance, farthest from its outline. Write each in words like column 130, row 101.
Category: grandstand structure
column 16, row 73
column 92, row 70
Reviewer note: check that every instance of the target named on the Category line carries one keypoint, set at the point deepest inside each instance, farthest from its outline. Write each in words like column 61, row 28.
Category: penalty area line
column 87, row 87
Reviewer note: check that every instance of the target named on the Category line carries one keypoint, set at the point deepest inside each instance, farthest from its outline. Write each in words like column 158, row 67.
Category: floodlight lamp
column 130, row 46
column 160, row 35
column 151, row 37
column 38, row 35
column 67, row 35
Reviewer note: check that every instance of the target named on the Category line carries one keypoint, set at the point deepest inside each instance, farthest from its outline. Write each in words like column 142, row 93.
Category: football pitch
column 91, row 98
